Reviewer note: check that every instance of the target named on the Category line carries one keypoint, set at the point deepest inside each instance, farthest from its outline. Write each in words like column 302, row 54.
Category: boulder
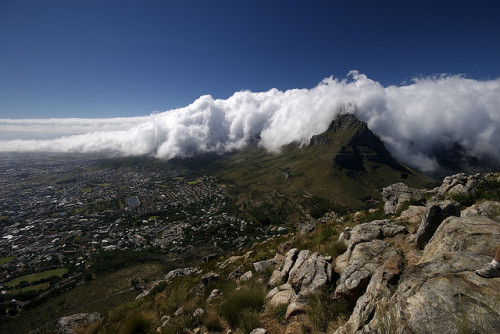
column 364, row 236
column 307, row 228
column 279, row 276
column 283, row 294
column 198, row 313
column 412, row 215
column 309, row 272
column 179, row 273
column 245, row 277
column 394, row 196
column 487, row 208
column 352, row 283
column 434, row 215
column 262, row 266
column 214, row 294
column 382, row 284
column 258, row 331
column 71, row 324
column 442, row 290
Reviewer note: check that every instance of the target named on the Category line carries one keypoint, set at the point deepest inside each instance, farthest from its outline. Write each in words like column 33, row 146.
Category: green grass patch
column 180, row 178
column 237, row 309
column 38, row 287
column 486, row 190
column 193, row 182
column 6, row 259
column 36, row 277
column 322, row 309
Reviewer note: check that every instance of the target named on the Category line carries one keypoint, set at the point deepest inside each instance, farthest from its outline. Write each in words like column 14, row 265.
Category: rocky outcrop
column 488, row 208
column 394, row 196
column 303, row 273
column 442, row 289
column 461, row 183
column 438, row 291
column 434, row 214
column 365, row 252
column 412, row 215
column 71, row 324
column 364, row 244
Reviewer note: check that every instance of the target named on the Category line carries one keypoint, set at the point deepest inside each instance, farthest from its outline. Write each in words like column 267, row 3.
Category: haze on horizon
column 86, row 76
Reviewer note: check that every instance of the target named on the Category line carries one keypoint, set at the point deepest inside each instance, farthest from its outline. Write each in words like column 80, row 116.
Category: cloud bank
column 411, row 119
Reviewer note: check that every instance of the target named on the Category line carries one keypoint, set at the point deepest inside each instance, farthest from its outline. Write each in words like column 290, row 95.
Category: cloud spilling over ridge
column 411, row 119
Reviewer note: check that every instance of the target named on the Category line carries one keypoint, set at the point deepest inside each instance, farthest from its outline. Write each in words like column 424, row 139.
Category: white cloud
column 412, row 119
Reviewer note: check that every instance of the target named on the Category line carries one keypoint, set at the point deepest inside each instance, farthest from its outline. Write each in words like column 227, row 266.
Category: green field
column 41, row 286
column 97, row 295
column 6, row 259
column 36, row 277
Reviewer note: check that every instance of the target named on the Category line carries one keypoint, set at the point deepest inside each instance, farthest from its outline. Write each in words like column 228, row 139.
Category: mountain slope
column 347, row 165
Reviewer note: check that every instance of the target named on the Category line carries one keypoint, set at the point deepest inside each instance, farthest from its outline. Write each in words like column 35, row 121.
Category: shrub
column 387, row 317
column 212, row 321
column 278, row 311
column 249, row 320
column 322, row 309
column 247, row 298
column 138, row 323
column 335, row 248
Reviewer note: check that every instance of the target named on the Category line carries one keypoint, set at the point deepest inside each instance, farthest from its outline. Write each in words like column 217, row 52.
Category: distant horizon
column 102, row 59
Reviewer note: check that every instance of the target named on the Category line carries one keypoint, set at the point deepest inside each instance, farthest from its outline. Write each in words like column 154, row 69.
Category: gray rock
column 309, row 273
column 364, row 318
column 442, row 288
column 198, row 313
column 433, row 216
column 214, row 294
column 298, row 305
column 412, row 215
column 258, row 331
column 283, row 294
column 246, row 277
column 262, row 266
column 179, row 273
column 394, row 196
column 69, row 324
column 306, row 228
column 280, row 276
column 487, row 208
column 352, row 283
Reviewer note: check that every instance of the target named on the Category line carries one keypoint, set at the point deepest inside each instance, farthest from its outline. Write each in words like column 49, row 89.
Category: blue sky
column 130, row 58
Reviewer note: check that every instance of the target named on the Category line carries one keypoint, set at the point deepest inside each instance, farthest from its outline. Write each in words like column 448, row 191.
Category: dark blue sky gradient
column 126, row 58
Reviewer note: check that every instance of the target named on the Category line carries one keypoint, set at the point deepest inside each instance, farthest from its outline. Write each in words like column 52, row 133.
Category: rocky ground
column 410, row 272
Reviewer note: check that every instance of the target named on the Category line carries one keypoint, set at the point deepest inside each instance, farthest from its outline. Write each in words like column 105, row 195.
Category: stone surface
column 298, row 305
column 412, row 215
column 245, row 277
column 259, row 331
column 440, row 290
column 488, row 208
column 394, row 196
column 283, row 294
column 179, row 272
column 364, row 244
column 198, row 313
column 309, row 272
column 214, row 294
column 262, row 266
column 434, row 215
column 279, row 276
column 70, row 324
column 352, row 283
